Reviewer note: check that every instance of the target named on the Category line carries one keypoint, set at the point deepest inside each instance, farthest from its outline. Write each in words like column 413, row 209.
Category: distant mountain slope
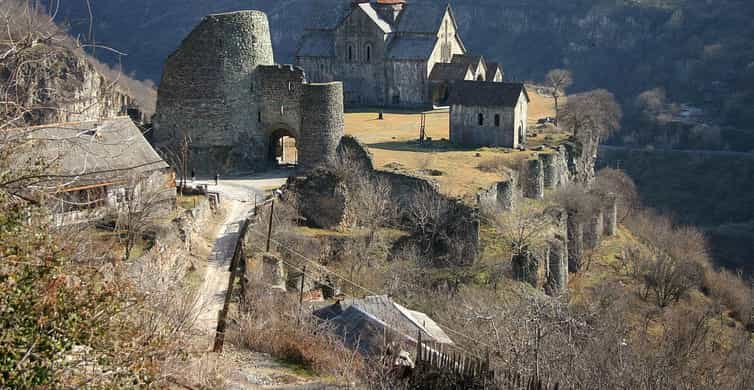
column 48, row 78
column 699, row 51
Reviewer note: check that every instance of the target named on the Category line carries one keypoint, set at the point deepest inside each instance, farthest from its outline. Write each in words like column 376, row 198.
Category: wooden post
column 221, row 320
column 301, row 293
column 269, row 227
column 418, row 348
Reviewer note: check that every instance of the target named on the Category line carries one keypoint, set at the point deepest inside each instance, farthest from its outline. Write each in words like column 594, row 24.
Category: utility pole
column 269, row 225
column 301, row 293
column 422, row 128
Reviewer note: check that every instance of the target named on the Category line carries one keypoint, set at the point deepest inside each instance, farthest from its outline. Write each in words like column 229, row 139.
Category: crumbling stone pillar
column 273, row 271
column 526, row 268
column 534, row 181
column 549, row 170
column 575, row 242
column 557, row 280
column 505, row 194
column 611, row 215
column 593, row 230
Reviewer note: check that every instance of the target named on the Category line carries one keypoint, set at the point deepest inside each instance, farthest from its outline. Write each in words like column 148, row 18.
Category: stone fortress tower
column 223, row 95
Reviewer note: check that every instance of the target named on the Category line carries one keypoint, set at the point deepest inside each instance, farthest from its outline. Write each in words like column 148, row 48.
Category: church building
column 390, row 53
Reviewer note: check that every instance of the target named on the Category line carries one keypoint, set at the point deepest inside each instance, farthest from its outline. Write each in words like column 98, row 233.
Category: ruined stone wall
column 500, row 196
column 207, row 90
column 322, row 124
column 555, row 168
column 533, row 185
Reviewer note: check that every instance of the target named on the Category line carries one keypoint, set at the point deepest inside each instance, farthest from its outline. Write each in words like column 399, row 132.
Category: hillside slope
column 695, row 49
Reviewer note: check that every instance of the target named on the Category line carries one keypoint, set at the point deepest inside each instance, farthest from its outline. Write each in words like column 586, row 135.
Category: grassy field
column 394, row 146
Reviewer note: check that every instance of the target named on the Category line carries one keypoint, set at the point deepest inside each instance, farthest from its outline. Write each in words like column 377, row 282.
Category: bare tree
column 142, row 207
column 558, row 80
column 616, row 182
column 591, row 115
column 525, row 228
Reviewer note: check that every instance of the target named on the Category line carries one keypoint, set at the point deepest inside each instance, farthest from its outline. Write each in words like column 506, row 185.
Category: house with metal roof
column 488, row 113
column 386, row 52
column 88, row 170
column 374, row 323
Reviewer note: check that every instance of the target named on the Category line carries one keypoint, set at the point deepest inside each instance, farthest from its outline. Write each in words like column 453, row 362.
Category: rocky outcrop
column 62, row 85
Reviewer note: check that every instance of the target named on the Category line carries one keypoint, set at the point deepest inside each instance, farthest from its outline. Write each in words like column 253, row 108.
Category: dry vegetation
column 393, row 144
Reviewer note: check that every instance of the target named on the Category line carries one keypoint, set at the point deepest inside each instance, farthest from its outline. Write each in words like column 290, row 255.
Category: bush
column 269, row 324
column 732, row 291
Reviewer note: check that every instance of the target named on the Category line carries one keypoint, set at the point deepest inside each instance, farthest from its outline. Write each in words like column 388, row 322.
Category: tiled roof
column 411, row 47
column 421, row 18
column 317, row 44
column 485, row 93
column 468, row 59
column 372, row 14
column 445, row 72
column 492, row 68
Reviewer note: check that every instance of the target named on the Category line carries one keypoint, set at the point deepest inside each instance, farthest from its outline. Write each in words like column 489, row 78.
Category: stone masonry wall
column 222, row 92
column 322, row 124
column 207, row 90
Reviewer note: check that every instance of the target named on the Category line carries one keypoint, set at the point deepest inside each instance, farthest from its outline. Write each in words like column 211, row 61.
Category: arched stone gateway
column 282, row 147
column 222, row 91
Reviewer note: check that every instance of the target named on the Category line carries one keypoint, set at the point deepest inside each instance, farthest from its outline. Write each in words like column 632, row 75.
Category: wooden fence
column 440, row 366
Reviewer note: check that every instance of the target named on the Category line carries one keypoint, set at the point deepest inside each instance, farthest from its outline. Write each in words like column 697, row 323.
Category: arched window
column 368, row 53
column 350, row 53
column 497, row 120
column 480, row 119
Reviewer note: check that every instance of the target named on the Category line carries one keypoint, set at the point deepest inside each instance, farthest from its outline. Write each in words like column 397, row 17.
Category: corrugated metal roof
column 411, row 47
column 96, row 150
column 317, row 44
column 385, row 311
column 485, row 93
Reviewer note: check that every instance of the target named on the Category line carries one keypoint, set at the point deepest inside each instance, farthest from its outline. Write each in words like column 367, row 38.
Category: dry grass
column 269, row 324
column 392, row 142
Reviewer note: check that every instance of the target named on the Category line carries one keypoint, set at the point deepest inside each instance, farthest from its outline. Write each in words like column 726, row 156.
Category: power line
column 326, row 270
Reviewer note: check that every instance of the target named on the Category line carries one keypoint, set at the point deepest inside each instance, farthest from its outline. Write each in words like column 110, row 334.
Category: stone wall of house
column 465, row 129
column 407, row 84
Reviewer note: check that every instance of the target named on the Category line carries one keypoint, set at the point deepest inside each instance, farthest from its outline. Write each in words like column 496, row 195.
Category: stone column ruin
column 611, row 215
column 533, row 183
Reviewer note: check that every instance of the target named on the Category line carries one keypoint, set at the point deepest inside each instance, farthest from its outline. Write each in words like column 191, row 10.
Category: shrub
column 732, row 291
column 269, row 324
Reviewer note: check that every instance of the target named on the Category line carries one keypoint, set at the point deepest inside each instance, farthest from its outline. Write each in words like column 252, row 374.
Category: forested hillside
column 697, row 50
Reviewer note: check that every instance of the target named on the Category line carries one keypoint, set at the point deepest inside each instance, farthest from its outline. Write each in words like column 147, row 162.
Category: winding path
column 237, row 199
